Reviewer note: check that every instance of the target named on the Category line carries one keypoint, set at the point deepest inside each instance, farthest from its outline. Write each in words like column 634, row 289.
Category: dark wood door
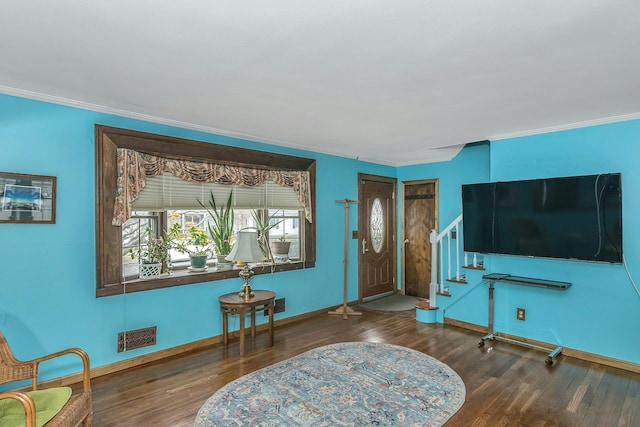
column 377, row 235
column 420, row 217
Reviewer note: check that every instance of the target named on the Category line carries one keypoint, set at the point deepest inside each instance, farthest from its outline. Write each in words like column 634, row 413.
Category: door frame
column 394, row 256
column 404, row 184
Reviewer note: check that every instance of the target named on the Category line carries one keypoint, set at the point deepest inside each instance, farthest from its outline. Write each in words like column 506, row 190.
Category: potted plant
column 280, row 249
column 153, row 254
column 220, row 227
column 262, row 227
column 195, row 243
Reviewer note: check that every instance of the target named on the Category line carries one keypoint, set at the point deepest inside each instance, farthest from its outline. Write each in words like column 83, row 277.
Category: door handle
column 364, row 246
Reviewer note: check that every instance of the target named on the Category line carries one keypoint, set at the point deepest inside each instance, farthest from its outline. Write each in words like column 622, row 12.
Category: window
column 133, row 232
column 287, row 229
column 114, row 264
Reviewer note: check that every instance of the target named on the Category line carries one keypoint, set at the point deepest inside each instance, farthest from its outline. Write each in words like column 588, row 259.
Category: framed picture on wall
column 27, row 198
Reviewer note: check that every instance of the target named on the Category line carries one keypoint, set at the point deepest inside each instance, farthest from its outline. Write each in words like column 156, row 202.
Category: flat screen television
column 578, row 217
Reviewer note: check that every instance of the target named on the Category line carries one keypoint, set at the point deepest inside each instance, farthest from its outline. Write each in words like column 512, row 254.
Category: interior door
column 419, row 218
column 377, row 235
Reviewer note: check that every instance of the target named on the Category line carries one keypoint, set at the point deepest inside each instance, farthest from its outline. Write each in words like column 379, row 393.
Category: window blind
column 166, row 191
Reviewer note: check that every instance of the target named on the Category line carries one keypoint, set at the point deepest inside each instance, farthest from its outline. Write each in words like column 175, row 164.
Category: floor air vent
column 136, row 338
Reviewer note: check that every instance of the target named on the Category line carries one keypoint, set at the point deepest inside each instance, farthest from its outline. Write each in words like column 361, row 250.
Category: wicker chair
column 77, row 409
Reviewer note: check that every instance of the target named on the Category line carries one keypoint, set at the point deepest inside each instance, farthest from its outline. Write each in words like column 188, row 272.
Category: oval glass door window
column 376, row 225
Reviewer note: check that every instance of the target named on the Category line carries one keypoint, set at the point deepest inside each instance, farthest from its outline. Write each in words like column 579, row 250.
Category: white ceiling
column 395, row 82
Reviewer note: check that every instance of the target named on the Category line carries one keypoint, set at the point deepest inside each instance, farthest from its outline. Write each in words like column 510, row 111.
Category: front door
column 377, row 235
column 419, row 218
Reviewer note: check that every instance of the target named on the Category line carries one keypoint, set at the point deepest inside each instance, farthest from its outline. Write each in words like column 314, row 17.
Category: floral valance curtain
column 134, row 167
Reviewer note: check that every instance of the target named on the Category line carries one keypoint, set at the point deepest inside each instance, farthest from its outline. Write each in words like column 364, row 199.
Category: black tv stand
column 526, row 281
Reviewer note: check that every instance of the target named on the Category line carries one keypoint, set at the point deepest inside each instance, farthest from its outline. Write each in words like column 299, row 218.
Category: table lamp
column 247, row 249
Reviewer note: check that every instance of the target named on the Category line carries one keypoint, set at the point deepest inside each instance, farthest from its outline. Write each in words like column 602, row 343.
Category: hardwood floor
column 507, row 385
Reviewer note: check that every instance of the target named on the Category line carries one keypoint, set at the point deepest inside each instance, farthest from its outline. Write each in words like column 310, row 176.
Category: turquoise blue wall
column 471, row 165
column 47, row 271
column 47, row 280
column 600, row 312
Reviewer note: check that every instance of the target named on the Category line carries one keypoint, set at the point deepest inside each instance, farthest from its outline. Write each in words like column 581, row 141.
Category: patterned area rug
column 345, row 384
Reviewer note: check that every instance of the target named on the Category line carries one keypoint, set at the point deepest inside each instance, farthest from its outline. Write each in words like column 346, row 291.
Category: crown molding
column 438, row 157
column 570, row 126
column 67, row 102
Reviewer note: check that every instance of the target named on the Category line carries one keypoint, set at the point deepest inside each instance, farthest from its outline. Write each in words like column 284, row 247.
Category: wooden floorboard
column 506, row 384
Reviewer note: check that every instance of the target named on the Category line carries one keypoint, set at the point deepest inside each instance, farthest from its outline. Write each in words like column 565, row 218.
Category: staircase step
column 425, row 305
column 462, row 280
column 479, row 266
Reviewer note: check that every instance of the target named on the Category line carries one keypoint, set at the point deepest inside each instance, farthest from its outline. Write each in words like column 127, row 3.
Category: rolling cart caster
column 481, row 343
column 549, row 361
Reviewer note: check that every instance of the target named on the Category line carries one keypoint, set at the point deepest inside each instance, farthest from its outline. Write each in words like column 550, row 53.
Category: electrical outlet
column 520, row 313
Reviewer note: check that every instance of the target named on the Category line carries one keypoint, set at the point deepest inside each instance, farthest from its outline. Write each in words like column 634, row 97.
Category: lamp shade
column 247, row 248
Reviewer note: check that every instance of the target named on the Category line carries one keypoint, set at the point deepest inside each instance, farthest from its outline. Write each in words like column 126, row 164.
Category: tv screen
column 576, row 217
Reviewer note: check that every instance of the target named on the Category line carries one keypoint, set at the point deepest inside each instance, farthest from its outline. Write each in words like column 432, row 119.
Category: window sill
column 184, row 277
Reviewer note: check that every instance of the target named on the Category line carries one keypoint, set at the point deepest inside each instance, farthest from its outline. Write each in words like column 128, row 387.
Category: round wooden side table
column 234, row 304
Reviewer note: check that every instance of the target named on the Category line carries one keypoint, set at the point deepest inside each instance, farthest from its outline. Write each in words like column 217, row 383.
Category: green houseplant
column 194, row 242
column 220, row 226
column 153, row 254
column 263, row 226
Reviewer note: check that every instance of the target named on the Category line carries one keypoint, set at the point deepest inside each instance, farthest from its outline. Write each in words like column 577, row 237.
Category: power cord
column 624, row 262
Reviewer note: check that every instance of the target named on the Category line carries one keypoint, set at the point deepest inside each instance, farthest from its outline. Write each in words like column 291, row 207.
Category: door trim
column 394, row 221
column 404, row 184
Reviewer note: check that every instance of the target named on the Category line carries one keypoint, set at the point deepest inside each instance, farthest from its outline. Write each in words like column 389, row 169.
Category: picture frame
column 26, row 198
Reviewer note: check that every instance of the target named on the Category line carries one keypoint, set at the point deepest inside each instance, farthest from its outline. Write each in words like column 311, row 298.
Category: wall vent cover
column 136, row 338
column 278, row 306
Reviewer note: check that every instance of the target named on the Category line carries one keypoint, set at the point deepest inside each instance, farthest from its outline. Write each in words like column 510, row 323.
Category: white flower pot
column 150, row 271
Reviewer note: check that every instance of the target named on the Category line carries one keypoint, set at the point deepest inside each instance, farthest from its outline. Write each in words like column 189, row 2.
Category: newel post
column 433, row 286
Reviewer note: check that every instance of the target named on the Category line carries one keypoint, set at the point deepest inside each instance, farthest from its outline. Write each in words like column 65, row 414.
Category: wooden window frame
column 109, row 237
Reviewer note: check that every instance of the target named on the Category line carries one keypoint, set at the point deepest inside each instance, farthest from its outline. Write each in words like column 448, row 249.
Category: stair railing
column 438, row 240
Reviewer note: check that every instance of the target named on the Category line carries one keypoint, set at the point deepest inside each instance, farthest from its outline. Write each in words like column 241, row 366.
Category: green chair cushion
column 48, row 403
